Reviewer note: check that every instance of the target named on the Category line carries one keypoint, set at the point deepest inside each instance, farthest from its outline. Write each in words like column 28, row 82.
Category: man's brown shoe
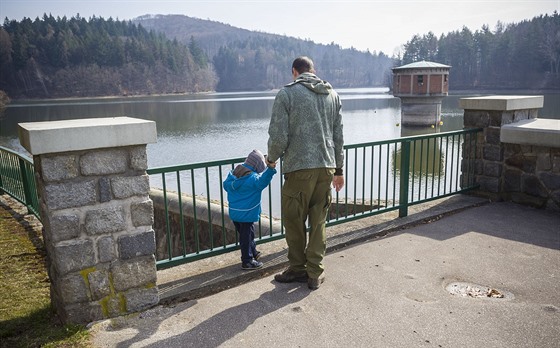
column 315, row 283
column 289, row 276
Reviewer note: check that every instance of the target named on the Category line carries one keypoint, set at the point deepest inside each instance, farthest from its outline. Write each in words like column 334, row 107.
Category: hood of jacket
column 241, row 171
column 313, row 83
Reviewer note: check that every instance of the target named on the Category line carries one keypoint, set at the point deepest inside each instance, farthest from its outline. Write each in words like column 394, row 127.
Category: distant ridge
column 209, row 34
column 253, row 60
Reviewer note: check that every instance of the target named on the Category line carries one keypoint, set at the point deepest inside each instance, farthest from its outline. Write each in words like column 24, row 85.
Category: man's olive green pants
column 306, row 196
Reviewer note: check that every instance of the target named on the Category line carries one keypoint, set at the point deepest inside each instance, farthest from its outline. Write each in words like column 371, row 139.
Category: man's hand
column 338, row 182
column 270, row 164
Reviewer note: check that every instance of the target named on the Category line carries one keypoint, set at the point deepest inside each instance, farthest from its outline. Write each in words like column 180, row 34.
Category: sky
column 374, row 25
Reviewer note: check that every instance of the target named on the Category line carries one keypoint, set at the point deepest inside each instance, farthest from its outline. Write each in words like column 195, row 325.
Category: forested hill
column 210, row 35
column 48, row 57
column 249, row 60
column 523, row 55
column 59, row 57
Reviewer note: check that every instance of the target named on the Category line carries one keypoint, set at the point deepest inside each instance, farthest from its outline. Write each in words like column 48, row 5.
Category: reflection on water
column 216, row 126
column 203, row 127
column 426, row 157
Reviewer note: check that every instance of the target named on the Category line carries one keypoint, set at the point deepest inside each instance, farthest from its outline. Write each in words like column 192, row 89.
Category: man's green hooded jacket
column 306, row 126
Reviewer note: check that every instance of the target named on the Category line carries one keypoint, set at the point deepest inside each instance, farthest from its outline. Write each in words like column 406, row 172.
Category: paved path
column 385, row 292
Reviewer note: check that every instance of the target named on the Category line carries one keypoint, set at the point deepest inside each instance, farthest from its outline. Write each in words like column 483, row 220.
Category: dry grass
column 26, row 315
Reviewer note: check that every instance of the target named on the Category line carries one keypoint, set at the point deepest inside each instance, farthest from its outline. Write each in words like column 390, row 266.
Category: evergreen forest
column 59, row 57
column 246, row 60
column 525, row 55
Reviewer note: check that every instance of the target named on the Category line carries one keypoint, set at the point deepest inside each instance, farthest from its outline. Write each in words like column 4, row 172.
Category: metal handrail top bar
column 199, row 165
column 12, row 152
column 413, row 138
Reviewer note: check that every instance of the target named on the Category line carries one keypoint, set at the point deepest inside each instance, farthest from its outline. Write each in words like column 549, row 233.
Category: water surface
column 214, row 126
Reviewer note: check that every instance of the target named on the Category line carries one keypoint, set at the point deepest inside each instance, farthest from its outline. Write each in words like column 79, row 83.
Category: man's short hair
column 303, row 64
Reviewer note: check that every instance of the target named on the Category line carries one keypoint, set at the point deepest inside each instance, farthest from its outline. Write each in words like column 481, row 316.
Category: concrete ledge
column 538, row 131
column 504, row 103
column 208, row 276
column 84, row 134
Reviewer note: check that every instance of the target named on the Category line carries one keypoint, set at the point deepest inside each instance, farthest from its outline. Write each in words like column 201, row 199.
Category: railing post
column 404, row 178
column 2, row 170
column 26, row 184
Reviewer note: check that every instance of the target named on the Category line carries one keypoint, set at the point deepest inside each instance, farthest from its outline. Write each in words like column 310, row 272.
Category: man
column 306, row 131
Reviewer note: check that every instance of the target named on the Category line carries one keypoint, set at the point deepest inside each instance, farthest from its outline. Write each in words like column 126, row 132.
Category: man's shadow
column 228, row 323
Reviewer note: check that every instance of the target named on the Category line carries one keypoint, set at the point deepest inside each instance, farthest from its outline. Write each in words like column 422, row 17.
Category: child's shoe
column 251, row 265
column 257, row 255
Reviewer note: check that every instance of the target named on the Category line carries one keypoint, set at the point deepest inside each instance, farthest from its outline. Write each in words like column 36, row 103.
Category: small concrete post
column 491, row 114
column 96, row 213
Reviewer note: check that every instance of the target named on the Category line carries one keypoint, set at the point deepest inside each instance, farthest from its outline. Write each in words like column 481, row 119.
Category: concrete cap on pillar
column 536, row 132
column 502, row 102
column 84, row 134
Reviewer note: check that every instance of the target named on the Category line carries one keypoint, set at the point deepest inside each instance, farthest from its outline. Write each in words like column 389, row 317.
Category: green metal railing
column 380, row 176
column 17, row 179
column 200, row 209
column 190, row 206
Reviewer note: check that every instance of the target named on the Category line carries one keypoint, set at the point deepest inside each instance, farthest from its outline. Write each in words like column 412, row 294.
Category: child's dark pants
column 246, row 232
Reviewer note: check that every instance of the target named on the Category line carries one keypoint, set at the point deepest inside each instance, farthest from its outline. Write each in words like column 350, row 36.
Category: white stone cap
column 85, row 134
column 502, row 102
column 537, row 131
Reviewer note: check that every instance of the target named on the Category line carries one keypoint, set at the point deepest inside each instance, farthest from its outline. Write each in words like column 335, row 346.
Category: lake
column 217, row 126
column 214, row 126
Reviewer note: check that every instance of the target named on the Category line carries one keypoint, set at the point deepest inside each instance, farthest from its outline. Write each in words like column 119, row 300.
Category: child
column 244, row 185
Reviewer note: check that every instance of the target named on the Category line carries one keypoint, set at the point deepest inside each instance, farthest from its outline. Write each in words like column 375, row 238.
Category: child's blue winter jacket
column 244, row 194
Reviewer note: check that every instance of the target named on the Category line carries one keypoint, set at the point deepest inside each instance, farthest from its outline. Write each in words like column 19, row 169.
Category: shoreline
column 105, row 97
column 138, row 96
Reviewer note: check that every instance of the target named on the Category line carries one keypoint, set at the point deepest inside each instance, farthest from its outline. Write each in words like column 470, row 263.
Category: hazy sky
column 377, row 25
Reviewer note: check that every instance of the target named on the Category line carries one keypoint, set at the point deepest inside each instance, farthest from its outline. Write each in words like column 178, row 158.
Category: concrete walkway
column 427, row 280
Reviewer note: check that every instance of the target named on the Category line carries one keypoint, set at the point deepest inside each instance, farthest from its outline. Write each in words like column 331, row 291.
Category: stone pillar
column 97, row 214
column 490, row 114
